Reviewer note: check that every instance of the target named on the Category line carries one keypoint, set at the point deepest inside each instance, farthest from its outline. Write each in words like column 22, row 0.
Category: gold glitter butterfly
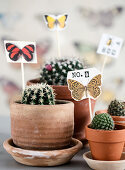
column 56, row 22
column 78, row 90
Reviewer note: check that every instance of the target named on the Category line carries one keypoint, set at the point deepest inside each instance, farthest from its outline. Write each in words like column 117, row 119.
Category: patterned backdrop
column 88, row 19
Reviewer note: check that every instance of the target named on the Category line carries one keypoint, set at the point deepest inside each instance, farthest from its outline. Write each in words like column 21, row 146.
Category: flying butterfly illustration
column 9, row 19
column 8, row 86
column 104, row 18
column 56, row 22
column 79, row 91
column 15, row 52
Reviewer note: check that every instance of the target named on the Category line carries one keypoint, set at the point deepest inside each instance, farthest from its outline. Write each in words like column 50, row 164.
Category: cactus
column 55, row 72
column 116, row 108
column 38, row 94
column 102, row 121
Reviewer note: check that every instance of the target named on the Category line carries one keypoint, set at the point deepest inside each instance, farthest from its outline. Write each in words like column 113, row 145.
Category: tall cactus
column 38, row 94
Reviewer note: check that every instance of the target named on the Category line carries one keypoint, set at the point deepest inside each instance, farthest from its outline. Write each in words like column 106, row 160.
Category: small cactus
column 55, row 72
column 116, row 108
column 102, row 121
column 38, row 94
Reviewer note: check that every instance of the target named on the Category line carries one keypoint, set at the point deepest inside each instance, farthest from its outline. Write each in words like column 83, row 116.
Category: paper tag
column 110, row 45
column 56, row 22
column 20, row 51
column 84, row 83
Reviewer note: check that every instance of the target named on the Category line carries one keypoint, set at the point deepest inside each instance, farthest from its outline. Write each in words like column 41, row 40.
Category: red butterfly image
column 15, row 52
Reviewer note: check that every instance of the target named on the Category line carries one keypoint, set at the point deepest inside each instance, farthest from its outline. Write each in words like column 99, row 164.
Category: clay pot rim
column 61, row 103
column 37, row 79
column 105, row 111
column 63, row 86
column 105, row 136
column 118, row 116
column 101, row 110
column 104, row 131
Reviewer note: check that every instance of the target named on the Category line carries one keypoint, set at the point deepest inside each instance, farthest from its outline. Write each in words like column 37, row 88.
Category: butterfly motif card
column 85, row 83
column 110, row 45
column 56, row 22
column 20, row 51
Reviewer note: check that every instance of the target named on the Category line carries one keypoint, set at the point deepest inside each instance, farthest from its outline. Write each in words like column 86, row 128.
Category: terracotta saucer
column 104, row 165
column 42, row 158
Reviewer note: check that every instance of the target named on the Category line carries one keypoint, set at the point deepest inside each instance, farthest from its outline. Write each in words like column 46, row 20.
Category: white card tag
column 20, row 51
column 110, row 45
column 84, row 83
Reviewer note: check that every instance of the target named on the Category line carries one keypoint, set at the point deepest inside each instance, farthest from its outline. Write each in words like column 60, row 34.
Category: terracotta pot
column 33, row 81
column 42, row 126
column 81, row 109
column 106, row 145
column 119, row 120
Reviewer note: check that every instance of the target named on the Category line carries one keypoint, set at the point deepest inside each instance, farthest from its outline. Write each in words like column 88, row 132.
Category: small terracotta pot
column 81, row 109
column 106, row 145
column 43, row 127
column 100, row 111
column 119, row 120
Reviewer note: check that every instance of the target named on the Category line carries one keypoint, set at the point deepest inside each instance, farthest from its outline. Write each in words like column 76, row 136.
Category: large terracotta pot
column 104, row 144
column 42, row 126
column 81, row 109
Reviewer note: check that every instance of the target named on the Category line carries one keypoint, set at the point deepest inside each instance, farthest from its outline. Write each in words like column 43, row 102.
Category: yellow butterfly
column 109, row 42
column 78, row 90
column 56, row 22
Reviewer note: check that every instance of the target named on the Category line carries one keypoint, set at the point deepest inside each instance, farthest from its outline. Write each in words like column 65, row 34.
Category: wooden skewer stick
column 104, row 63
column 90, row 109
column 22, row 73
column 58, row 44
column 90, row 105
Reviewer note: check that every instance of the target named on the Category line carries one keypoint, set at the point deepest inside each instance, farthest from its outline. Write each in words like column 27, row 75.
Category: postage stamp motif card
column 110, row 45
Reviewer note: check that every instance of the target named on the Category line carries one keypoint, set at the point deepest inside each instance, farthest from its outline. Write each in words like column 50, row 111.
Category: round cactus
column 116, row 108
column 38, row 94
column 55, row 72
column 102, row 121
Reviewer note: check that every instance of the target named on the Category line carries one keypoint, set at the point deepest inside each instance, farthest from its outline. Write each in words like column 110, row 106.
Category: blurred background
column 22, row 20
